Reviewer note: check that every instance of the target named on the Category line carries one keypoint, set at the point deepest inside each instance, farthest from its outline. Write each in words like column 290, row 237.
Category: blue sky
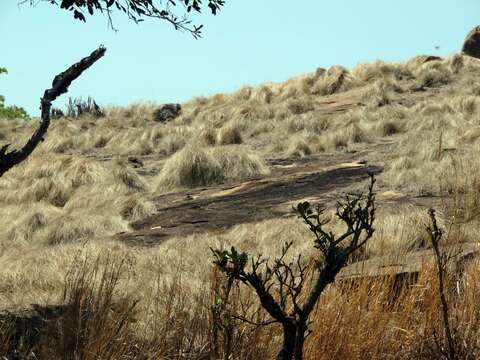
column 249, row 42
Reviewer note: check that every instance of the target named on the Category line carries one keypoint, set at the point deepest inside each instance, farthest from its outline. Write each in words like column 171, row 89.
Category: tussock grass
column 195, row 166
column 380, row 93
column 190, row 167
column 271, row 120
column 230, row 134
column 399, row 230
column 388, row 128
column 299, row 147
column 329, row 83
column 207, row 135
column 70, row 198
column 433, row 74
column 376, row 70
column 342, row 137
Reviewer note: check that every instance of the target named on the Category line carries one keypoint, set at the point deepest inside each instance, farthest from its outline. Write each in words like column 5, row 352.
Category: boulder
column 167, row 112
column 471, row 45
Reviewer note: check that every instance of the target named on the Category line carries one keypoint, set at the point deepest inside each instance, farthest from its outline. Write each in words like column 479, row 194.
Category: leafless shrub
column 280, row 286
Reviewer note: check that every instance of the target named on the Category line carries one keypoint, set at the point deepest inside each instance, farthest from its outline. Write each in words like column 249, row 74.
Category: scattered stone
column 167, row 112
column 471, row 45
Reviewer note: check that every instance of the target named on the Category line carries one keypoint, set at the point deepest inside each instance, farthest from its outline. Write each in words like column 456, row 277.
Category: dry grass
column 229, row 134
column 195, row 166
column 61, row 203
column 62, row 198
column 368, row 324
column 368, row 320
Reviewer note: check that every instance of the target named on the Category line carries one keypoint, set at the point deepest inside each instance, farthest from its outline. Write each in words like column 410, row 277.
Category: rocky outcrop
column 471, row 45
column 167, row 112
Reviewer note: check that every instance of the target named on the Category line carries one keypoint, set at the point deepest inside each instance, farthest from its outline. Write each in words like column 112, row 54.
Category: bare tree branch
column 60, row 85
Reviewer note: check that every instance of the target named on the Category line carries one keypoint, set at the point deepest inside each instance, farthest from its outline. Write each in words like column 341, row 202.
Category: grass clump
column 237, row 163
column 229, row 134
column 433, row 74
column 196, row 166
column 331, row 82
column 380, row 93
column 389, row 127
column 299, row 147
column 190, row 167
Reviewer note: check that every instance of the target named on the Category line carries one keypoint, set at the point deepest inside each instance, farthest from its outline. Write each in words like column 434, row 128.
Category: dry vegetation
column 61, row 205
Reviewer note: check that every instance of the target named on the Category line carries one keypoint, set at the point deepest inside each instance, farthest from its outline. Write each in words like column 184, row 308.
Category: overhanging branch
column 60, row 85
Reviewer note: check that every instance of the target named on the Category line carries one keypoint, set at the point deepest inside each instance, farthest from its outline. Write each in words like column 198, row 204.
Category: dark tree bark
column 60, row 85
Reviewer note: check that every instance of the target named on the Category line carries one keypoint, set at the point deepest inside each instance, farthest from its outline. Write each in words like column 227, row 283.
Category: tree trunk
column 300, row 338
column 289, row 335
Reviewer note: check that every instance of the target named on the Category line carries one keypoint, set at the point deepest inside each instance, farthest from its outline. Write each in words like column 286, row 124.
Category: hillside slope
column 228, row 170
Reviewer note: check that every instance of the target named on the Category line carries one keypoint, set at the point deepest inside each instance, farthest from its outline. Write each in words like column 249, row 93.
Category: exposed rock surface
column 167, row 112
column 471, row 45
column 321, row 177
column 210, row 209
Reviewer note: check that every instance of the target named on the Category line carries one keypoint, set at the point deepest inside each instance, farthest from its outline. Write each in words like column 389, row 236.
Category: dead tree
column 60, row 85
column 279, row 286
